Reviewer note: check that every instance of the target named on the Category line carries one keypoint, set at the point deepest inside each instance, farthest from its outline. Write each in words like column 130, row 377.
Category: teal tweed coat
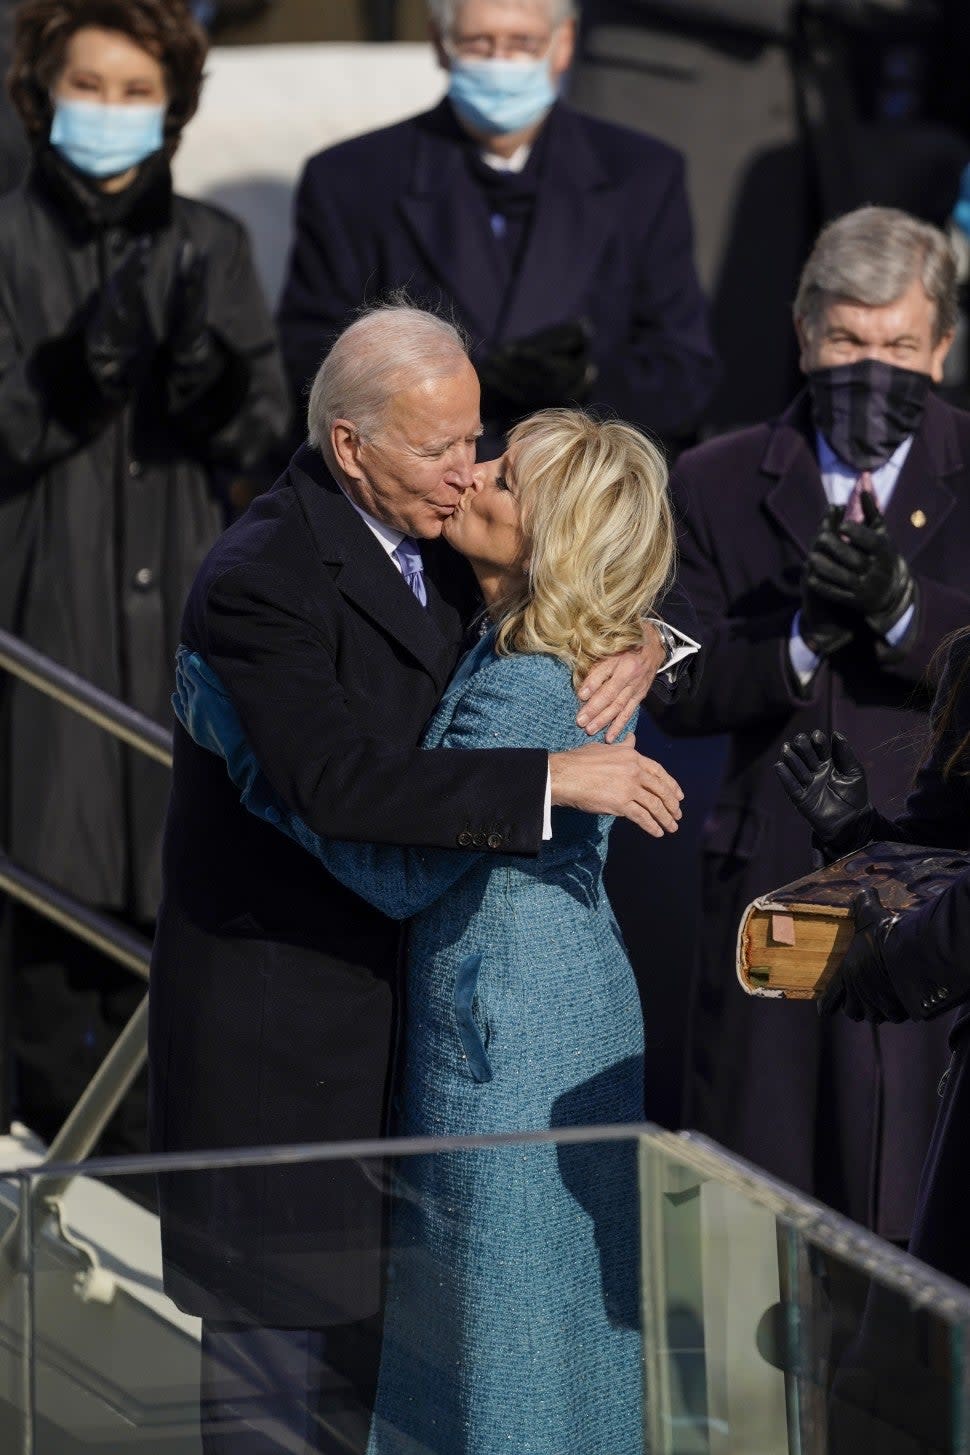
column 511, row 1319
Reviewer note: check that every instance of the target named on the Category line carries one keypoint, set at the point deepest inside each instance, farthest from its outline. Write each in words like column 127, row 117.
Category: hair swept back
column 444, row 13
column 164, row 28
column 871, row 256
column 595, row 510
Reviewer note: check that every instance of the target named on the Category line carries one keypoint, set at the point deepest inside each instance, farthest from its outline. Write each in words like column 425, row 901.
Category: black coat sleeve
column 244, row 409
column 928, row 949
column 676, row 610
column 270, row 650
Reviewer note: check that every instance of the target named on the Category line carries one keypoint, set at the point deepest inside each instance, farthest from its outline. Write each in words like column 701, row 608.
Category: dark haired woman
column 914, row 966
column 138, row 371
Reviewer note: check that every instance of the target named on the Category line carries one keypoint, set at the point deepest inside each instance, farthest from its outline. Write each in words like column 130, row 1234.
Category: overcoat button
column 144, row 577
column 479, row 841
column 495, row 841
column 464, row 838
column 944, row 992
column 134, row 468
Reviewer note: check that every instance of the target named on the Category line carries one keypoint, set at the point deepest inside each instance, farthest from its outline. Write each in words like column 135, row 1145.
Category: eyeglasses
column 492, row 47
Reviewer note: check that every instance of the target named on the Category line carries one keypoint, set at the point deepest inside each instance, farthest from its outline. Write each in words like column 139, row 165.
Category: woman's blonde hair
column 593, row 497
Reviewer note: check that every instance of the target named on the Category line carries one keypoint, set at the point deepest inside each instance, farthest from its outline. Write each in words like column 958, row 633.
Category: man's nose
column 462, row 472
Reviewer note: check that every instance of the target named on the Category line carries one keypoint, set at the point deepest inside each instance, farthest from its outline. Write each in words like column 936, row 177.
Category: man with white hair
column 334, row 617
column 826, row 552
column 562, row 244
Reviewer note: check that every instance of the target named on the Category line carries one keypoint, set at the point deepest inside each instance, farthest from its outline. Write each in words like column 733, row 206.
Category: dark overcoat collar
column 143, row 207
column 920, row 503
column 365, row 576
column 447, row 216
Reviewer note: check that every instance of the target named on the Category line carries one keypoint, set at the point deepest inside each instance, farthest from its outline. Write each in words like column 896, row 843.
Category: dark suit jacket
column 928, row 951
column 840, row 1110
column 611, row 241
column 273, row 988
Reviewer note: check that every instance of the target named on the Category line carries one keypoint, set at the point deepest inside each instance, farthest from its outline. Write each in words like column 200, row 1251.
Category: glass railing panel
column 588, row 1293
column 16, row 1368
column 774, row 1325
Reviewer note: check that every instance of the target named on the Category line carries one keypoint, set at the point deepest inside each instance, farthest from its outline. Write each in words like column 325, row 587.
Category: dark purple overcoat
column 841, row 1110
column 611, row 241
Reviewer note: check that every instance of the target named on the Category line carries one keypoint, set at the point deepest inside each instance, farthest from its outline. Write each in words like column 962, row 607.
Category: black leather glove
column 862, row 987
column 118, row 329
column 855, row 565
column 544, row 369
column 827, row 784
column 824, row 627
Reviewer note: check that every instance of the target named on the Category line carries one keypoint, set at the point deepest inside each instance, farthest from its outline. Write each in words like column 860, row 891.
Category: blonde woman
column 511, row 1315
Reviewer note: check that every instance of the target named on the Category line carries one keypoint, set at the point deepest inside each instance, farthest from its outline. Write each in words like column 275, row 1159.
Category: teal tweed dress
column 511, row 1322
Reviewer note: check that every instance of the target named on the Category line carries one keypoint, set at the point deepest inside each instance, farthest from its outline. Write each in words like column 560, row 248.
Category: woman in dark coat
column 138, row 377
column 917, row 965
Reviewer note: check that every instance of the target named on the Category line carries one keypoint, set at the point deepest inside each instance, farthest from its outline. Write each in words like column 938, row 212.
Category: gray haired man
column 561, row 244
column 826, row 553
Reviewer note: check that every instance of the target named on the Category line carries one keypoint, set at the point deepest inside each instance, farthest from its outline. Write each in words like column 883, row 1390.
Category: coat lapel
column 572, row 221
column 922, row 499
column 796, row 502
column 362, row 572
column 448, row 218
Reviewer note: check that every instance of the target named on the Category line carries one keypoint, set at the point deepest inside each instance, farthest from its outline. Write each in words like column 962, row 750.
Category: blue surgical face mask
column 497, row 97
column 104, row 141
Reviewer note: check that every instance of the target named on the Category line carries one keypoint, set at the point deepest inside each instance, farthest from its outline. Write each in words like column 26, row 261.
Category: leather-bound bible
column 792, row 940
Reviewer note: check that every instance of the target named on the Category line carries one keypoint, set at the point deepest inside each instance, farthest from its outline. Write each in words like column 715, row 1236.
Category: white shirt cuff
column 547, row 808
column 803, row 660
column 896, row 633
column 686, row 646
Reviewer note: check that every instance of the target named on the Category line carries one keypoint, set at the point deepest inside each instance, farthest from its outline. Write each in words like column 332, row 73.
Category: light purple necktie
column 408, row 557
column 863, row 486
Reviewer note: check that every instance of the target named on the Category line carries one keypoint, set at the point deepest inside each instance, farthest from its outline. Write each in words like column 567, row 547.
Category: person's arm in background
column 827, row 784
column 226, row 393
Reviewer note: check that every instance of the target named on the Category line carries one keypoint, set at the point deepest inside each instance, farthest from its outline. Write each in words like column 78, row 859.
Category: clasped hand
column 855, row 567
column 118, row 332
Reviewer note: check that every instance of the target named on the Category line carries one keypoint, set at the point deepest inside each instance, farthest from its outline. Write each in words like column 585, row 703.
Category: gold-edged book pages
column 792, row 940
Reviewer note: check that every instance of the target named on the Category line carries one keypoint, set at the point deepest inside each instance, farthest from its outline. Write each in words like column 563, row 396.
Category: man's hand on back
column 613, row 689
column 617, row 780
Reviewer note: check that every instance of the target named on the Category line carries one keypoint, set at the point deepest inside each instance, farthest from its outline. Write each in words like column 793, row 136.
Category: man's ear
column 804, row 344
column 938, row 359
column 438, row 42
column 563, row 48
column 345, row 443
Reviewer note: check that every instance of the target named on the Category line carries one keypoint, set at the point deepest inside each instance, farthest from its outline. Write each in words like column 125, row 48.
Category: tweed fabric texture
column 512, row 1310
column 511, row 1320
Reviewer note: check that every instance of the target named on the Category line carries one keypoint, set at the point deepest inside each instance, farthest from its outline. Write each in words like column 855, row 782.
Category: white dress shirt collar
column 386, row 535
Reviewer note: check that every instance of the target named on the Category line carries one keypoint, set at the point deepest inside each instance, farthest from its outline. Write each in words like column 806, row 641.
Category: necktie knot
column 408, row 556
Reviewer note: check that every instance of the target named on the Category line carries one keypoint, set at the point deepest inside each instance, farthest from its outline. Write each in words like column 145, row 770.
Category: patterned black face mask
column 865, row 410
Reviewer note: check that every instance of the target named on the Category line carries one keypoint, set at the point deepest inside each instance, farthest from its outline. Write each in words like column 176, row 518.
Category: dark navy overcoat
column 611, row 242
column 840, row 1109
